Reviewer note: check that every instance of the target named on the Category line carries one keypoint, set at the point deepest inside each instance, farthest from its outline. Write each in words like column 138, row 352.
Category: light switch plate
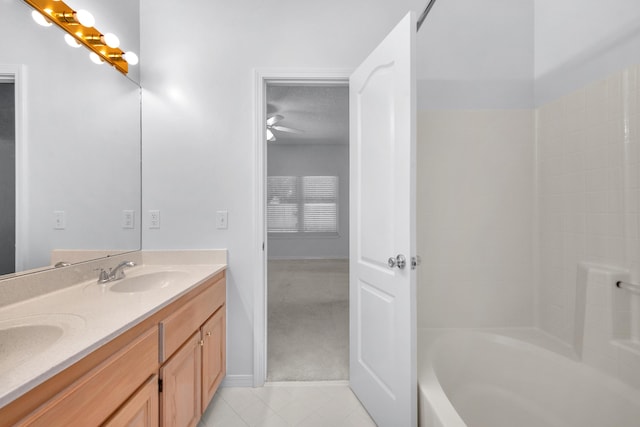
column 222, row 218
column 128, row 218
column 154, row 219
column 59, row 220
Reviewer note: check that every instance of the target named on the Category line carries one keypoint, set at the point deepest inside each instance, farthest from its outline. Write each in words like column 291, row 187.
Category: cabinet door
column 141, row 410
column 213, row 354
column 181, row 386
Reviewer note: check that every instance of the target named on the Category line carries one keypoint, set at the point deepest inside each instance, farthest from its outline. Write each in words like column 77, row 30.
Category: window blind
column 302, row 204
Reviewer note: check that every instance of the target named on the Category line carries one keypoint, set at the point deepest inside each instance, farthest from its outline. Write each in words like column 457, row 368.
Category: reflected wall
column 78, row 145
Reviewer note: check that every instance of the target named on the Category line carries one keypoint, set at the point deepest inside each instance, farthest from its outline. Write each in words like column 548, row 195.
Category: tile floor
column 312, row 404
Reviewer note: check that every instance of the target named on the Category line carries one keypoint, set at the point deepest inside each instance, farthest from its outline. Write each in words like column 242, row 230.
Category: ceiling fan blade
column 270, row 135
column 274, row 119
column 286, row 129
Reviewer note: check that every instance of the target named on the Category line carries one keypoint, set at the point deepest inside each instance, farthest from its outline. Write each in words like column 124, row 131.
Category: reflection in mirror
column 74, row 131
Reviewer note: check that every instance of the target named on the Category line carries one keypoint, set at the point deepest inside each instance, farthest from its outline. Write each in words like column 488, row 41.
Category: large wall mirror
column 69, row 141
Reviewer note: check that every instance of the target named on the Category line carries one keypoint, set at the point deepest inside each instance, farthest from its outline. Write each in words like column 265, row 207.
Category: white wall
column 81, row 144
column 477, row 55
column 577, row 42
column 310, row 160
column 198, row 120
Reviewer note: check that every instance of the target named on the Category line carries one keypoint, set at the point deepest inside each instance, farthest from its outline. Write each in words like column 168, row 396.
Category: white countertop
column 84, row 316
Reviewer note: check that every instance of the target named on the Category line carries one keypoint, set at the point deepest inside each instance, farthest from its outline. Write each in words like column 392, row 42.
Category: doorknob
column 399, row 261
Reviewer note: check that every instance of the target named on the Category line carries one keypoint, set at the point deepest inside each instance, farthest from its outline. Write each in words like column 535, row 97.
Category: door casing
column 261, row 78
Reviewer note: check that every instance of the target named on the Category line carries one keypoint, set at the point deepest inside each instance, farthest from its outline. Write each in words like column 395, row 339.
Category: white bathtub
column 485, row 379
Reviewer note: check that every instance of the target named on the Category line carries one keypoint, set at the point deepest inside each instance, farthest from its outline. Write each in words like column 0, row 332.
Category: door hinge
column 159, row 385
column 263, row 246
column 415, row 262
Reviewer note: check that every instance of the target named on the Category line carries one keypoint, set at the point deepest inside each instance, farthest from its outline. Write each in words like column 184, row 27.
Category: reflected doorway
column 7, row 175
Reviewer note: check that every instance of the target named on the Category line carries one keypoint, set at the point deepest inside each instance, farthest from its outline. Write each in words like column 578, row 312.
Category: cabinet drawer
column 94, row 397
column 178, row 327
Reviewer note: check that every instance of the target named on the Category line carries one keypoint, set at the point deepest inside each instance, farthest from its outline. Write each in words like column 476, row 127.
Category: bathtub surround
column 606, row 323
column 475, row 210
column 512, row 202
column 589, row 186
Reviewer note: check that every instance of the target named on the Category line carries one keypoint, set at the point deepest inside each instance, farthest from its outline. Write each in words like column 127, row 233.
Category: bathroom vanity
column 145, row 350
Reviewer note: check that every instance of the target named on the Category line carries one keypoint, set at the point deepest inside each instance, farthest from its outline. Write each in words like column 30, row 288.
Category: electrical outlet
column 128, row 219
column 154, row 219
column 59, row 220
column 222, row 220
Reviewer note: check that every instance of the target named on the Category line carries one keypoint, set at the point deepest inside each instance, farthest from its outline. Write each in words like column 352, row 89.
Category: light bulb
column 131, row 58
column 40, row 19
column 111, row 40
column 95, row 58
column 270, row 136
column 71, row 41
column 85, row 18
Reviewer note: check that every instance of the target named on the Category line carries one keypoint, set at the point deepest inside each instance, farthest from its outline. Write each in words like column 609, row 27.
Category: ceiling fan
column 272, row 124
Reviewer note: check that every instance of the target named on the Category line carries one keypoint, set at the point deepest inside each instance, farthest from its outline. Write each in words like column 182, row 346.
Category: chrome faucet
column 115, row 273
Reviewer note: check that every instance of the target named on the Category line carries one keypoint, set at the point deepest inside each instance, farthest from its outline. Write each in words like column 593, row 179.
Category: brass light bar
column 59, row 13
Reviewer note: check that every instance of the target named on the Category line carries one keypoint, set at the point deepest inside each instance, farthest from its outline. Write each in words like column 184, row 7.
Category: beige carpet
column 308, row 320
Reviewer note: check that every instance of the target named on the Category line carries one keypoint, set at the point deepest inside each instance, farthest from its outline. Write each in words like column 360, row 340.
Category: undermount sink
column 25, row 337
column 147, row 282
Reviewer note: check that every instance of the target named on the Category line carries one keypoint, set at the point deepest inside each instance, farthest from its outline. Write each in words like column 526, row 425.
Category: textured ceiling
column 320, row 112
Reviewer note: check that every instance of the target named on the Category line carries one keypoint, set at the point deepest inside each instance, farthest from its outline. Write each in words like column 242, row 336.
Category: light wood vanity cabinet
column 93, row 398
column 180, row 403
column 214, row 365
column 141, row 410
column 193, row 343
column 180, row 349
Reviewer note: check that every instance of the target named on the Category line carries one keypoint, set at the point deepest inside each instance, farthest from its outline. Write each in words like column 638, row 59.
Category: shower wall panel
column 475, row 218
column 588, row 190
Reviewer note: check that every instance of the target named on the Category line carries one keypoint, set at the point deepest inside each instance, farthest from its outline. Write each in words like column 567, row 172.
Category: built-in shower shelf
column 631, row 346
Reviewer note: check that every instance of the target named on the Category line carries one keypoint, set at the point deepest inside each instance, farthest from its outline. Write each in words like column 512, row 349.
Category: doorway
column 306, row 195
column 7, row 175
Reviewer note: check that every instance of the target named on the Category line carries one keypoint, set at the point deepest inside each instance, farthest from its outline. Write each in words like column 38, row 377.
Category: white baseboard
column 299, row 258
column 237, row 381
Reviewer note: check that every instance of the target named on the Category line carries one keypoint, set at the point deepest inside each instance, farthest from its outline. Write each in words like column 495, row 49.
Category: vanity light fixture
column 79, row 26
column 131, row 58
column 95, row 58
column 108, row 39
column 81, row 17
column 111, row 40
column 71, row 41
column 40, row 19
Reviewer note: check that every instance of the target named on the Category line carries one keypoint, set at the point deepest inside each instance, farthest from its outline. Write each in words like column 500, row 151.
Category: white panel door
column 382, row 222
